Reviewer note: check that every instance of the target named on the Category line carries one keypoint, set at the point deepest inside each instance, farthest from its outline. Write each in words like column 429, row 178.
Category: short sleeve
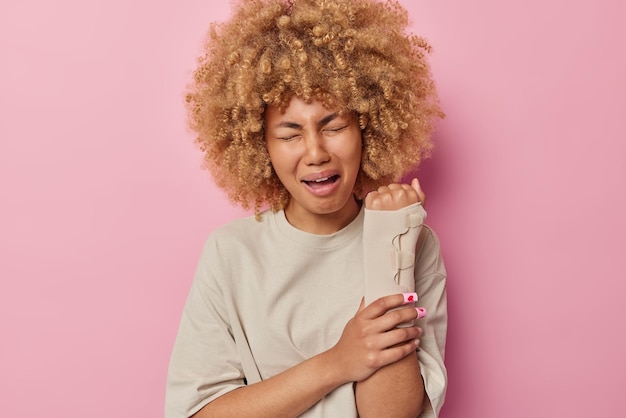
column 204, row 363
column 430, row 286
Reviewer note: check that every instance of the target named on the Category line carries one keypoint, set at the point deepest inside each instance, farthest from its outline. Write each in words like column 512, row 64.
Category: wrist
column 332, row 369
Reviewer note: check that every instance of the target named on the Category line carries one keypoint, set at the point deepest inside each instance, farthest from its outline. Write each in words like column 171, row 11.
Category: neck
column 324, row 223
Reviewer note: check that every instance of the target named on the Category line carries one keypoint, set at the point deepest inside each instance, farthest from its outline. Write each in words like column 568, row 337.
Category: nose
column 315, row 152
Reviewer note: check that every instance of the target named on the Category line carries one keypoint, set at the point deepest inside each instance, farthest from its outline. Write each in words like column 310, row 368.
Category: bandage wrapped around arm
column 389, row 239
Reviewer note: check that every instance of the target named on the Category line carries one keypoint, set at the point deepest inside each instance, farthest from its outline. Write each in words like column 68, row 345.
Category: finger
column 401, row 317
column 398, row 186
column 361, row 305
column 418, row 188
column 378, row 357
column 395, row 337
column 404, row 196
column 420, row 332
column 400, row 351
column 415, row 183
column 369, row 199
column 380, row 200
column 383, row 304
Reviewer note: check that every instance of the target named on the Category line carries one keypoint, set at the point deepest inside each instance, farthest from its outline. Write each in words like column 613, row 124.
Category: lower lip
column 322, row 190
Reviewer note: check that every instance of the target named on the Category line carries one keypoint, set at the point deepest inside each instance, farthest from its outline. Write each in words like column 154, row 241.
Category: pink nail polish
column 421, row 312
column 409, row 297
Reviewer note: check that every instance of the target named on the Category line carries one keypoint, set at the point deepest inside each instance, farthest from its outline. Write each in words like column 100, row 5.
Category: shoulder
column 240, row 226
column 428, row 240
column 243, row 231
column 428, row 253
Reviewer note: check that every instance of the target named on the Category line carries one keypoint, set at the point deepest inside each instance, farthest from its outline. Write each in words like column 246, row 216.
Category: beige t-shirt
column 267, row 296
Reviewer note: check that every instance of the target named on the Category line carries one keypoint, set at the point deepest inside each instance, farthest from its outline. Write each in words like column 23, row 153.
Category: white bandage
column 389, row 239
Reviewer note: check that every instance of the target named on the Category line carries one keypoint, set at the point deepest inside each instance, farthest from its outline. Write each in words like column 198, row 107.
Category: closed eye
column 336, row 129
column 287, row 138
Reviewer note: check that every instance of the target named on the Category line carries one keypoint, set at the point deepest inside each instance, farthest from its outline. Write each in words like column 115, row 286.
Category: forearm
column 396, row 390
column 288, row 394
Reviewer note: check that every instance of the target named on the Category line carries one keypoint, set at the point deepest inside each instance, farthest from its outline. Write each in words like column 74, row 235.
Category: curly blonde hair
column 352, row 55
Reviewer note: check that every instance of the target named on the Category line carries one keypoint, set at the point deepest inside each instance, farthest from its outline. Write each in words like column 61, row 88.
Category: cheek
column 357, row 149
column 357, row 154
column 273, row 151
column 281, row 159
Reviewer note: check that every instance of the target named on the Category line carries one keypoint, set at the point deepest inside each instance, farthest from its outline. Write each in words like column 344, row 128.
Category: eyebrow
column 320, row 123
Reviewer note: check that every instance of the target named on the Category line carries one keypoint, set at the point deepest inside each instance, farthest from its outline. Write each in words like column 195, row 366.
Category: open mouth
column 322, row 182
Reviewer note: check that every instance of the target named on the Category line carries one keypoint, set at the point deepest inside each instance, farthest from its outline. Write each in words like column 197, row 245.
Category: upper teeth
column 321, row 180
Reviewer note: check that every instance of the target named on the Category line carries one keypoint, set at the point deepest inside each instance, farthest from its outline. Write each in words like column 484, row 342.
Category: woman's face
column 316, row 153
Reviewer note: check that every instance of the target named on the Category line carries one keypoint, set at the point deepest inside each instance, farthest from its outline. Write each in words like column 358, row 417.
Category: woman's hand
column 370, row 340
column 395, row 196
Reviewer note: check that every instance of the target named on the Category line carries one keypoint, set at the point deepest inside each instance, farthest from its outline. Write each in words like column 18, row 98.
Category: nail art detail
column 409, row 297
column 421, row 312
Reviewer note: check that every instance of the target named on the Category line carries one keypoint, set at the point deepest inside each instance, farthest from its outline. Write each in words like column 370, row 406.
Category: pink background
column 104, row 207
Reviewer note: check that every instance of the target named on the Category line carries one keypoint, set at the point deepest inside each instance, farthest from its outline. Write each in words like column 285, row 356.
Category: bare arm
column 287, row 394
column 396, row 390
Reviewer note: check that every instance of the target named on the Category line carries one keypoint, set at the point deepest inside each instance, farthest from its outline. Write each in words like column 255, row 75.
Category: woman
column 302, row 108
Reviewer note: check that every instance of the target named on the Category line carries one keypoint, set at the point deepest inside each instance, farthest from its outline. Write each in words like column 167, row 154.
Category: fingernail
column 421, row 312
column 409, row 297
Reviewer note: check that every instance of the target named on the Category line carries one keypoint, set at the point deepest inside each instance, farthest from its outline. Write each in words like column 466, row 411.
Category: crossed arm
column 371, row 352
column 379, row 358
